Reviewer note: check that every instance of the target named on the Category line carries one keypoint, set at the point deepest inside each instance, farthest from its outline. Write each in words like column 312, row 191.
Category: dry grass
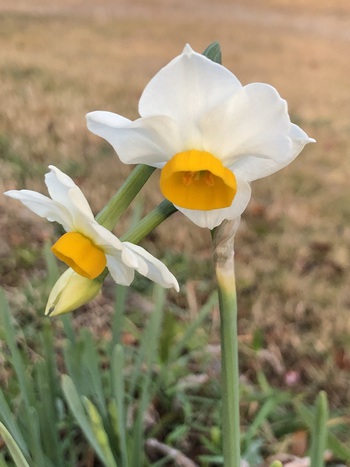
column 59, row 62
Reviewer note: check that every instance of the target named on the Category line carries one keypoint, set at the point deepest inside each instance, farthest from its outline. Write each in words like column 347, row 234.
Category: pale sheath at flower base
column 209, row 135
column 70, row 292
column 88, row 247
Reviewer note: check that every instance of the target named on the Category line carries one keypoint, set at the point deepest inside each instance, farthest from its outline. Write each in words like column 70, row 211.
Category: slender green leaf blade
column 13, row 447
column 118, row 390
column 319, row 431
column 16, row 359
column 9, row 419
column 100, row 433
column 77, row 409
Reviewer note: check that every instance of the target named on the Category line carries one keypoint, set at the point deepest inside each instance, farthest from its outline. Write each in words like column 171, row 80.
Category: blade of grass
column 203, row 313
column 77, row 408
column 13, row 447
column 118, row 315
column 148, row 349
column 48, row 416
column 8, row 418
column 68, row 328
column 267, row 408
column 36, row 442
column 118, row 391
column 51, row 265
column 319, row 431
column 337, row 447
column 97, row 427
column 26, row 387
column 91, row 367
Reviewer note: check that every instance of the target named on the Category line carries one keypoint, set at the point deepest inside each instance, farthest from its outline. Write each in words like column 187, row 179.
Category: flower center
column 197, row 180
column 81, row 254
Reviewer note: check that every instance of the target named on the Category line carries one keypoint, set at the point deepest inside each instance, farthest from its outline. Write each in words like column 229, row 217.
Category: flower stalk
column 117, row 205
column 145, row 226
column 223, row 237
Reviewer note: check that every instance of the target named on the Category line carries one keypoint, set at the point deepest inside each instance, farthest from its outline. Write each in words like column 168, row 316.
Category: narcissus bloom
column 209, row 135
column 88, row 247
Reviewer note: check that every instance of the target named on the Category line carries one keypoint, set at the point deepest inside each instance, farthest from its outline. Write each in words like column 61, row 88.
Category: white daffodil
column 209, row 135
column 88, row 247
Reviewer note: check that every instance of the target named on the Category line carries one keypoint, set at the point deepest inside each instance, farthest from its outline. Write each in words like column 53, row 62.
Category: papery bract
column 70, row 292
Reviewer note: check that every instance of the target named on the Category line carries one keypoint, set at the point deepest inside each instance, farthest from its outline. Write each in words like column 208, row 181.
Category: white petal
column 188, row 86
column 102, row 237
column 43, row 207
column 213, row 218
column 108, row 119
column 253, row 167
column 151, row 267
column 63, row 190
column 121, row 273
column 254, row 122
column 152, row 141
column 299, row 140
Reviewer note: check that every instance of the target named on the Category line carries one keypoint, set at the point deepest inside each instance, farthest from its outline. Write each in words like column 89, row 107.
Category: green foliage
column 213, row 52
column 75, row 400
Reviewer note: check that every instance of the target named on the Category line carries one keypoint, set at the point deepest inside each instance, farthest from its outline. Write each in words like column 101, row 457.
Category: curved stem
column 149, row 222
column 117, row 205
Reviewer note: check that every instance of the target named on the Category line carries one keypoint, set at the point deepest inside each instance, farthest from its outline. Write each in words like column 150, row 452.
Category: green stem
column 149, row 222
column 225, row 275
column 117, row 205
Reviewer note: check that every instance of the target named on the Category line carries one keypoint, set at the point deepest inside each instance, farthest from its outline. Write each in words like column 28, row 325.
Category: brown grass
column 59, row 62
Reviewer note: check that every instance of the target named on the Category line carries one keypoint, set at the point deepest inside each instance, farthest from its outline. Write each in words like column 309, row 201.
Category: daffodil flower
column 209, row 135
column 88, row 247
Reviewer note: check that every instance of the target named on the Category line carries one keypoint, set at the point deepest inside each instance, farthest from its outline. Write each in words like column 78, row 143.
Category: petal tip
column 14, row 194
column 187, row 50
column 53, row 169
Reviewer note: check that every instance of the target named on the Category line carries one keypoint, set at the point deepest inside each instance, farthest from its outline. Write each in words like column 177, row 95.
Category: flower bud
column 70, row 292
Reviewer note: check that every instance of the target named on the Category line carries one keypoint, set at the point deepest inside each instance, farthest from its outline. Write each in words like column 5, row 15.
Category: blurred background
column 62, row 59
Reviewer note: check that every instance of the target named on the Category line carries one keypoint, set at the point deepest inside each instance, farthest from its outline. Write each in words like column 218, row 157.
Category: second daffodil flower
column 88, row 247
column 209, row 135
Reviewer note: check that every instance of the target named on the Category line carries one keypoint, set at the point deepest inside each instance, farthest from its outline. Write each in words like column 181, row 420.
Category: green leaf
column 337, row 447
column 77, row 409
column 7, row 416
column 205, row 310
column 319, row 431
column 118, row 390
column 13, row 447
column 92, row 368
column 118, row 315
column 147, row 357
column 26, row 387
column 267, row 408
column 213, row 52
column 100, row 433
column 51, row 265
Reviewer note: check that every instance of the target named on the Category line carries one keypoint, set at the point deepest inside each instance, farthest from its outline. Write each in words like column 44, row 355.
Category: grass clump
column 147, row 393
